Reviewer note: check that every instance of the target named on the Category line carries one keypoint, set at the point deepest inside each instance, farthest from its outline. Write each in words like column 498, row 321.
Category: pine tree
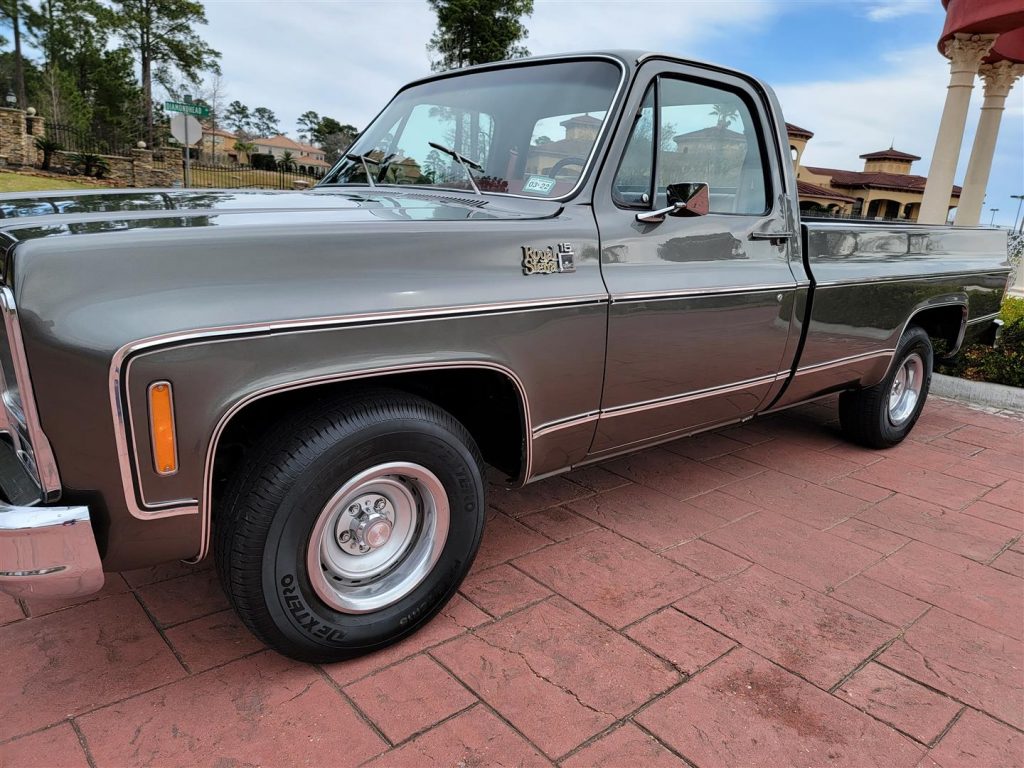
column 477, row 31
column 161, row 33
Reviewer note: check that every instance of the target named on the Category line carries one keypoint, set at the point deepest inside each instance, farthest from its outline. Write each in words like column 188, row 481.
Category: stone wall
column 143, row 168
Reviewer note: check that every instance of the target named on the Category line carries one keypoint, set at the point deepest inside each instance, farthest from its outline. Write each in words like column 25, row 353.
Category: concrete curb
column 978, row 392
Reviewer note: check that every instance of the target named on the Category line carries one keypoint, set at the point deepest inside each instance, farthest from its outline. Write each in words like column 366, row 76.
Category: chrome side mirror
column 686, row 199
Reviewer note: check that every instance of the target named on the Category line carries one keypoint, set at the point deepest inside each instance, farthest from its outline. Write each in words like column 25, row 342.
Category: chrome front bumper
column 48, row 552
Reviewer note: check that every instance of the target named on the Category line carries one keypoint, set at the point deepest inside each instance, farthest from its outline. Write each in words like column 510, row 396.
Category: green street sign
column 199, row 110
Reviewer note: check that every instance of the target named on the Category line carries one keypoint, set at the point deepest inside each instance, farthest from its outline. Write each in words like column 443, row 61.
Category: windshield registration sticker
column 539, row 185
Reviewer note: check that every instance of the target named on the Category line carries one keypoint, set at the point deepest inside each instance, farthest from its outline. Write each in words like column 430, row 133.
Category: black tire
column 864, row 414
column 264, row 524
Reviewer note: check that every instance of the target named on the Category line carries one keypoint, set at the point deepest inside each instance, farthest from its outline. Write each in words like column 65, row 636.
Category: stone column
column 12, row 135
column 965, row 53
column 35, row 127
column 999, row 79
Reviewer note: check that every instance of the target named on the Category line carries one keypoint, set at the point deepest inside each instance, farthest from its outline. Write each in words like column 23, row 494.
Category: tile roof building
column 884, row 189
column 303, row 155
column 219, row 146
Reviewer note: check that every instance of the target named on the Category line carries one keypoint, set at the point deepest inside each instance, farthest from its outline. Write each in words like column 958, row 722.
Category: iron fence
column 74, row 140
column 205, row 175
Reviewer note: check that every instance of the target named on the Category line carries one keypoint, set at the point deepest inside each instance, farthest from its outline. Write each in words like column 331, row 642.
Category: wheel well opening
column 486, row 402
column 943, row 326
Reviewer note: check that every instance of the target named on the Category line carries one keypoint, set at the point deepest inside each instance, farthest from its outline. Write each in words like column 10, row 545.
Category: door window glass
column 709, row 135
column 632, row 185
column 702, row 134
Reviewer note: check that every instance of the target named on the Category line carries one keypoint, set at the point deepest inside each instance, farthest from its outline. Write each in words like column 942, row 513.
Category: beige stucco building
column 218, row 145
column 884, row 189
column 580, row 133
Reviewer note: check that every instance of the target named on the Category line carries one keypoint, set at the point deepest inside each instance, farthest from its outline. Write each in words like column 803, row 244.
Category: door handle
column 775, row 238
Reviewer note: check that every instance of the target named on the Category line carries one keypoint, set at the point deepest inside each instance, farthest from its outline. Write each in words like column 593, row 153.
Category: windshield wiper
column 364, row 159
column 465, row 162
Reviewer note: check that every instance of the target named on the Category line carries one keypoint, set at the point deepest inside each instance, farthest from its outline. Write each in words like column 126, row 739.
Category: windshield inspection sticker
column 540, row 185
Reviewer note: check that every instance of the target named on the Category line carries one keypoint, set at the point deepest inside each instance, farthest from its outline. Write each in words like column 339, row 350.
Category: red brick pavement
column 765, row 595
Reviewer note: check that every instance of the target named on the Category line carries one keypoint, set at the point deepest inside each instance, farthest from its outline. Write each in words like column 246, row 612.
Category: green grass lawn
column 11, row 181
column 229, row 178
column 20, row 182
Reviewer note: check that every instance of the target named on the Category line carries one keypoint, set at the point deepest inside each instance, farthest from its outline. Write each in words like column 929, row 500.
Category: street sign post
column 188, row 131
column 198, row 110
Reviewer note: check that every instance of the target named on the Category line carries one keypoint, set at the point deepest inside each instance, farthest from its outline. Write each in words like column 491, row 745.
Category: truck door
column 702, row 305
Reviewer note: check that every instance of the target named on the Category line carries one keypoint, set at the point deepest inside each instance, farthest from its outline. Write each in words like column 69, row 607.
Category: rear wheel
column 883, row 415
column 352, row 526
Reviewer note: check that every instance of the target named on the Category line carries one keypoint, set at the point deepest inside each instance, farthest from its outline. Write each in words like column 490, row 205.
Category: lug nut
column 354, row 509
column 379, row 505
column 344, row 537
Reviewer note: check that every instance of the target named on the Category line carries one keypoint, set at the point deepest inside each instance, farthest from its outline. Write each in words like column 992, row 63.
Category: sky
column 861, row 74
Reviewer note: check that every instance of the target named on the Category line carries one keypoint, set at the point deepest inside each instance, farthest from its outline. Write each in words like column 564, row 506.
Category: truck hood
column 26, row 217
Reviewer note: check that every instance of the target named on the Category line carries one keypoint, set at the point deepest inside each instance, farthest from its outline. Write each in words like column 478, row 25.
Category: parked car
column 519, row 268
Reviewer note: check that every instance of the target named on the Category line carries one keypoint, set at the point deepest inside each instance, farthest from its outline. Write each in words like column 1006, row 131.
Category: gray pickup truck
column 523, row 268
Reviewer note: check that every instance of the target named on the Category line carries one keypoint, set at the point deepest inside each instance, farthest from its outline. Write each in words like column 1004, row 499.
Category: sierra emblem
column 547, row 261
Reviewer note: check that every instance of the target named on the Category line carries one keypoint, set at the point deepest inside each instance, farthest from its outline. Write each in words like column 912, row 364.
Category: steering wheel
column 553, row 171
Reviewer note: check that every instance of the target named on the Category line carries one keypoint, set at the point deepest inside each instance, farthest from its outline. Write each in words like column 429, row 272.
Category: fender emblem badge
column 547, row 261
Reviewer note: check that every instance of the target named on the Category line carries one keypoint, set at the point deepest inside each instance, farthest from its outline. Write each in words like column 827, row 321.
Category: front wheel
column 352, row 526
column 883, row 415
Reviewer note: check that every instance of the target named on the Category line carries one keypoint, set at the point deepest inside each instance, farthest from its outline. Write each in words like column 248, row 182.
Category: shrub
column 90, row 164
column 1003, row 364
column 47, row 147
column 1012, row 310
column 263, row 161
column 101, row 168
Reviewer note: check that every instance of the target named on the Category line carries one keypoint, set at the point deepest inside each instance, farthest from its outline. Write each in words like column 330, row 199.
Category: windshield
column 525, row 130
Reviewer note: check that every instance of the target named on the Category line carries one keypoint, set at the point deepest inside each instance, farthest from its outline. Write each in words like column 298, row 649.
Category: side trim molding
column 983, row 319
column 573, row 421
column 844, row 361
column 630, row 408
column 120, row 363
column 669, row 295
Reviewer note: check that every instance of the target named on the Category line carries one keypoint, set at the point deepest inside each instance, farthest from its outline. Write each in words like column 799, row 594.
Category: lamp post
column 992, row 221
column 1020, row 200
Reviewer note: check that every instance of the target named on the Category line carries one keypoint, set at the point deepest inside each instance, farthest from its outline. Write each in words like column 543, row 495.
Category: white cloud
column 886, row 10
column 901, row 104
column 681, row 27
column 346, row 59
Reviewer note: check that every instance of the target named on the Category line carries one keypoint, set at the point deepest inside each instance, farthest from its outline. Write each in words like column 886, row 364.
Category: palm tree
column 48, row 147
column 287, row 162
column 244, row 148
column 725, row 114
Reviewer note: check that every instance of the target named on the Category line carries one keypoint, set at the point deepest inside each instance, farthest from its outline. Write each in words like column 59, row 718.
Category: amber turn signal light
column 161, row 428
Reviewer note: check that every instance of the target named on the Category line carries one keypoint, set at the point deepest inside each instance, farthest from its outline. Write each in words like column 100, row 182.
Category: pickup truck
column 518, row 269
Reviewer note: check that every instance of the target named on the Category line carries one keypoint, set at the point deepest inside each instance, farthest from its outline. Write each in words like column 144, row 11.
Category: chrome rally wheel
column 906, row 389
column 378, row 537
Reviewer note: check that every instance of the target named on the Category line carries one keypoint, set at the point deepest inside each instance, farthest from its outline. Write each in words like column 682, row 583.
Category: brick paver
column 917, row 711
column 766, row 594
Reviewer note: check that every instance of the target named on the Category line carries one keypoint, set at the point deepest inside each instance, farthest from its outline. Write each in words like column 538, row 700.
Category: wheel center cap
column 370, row 531
column 377, row 533
column 366, row 525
